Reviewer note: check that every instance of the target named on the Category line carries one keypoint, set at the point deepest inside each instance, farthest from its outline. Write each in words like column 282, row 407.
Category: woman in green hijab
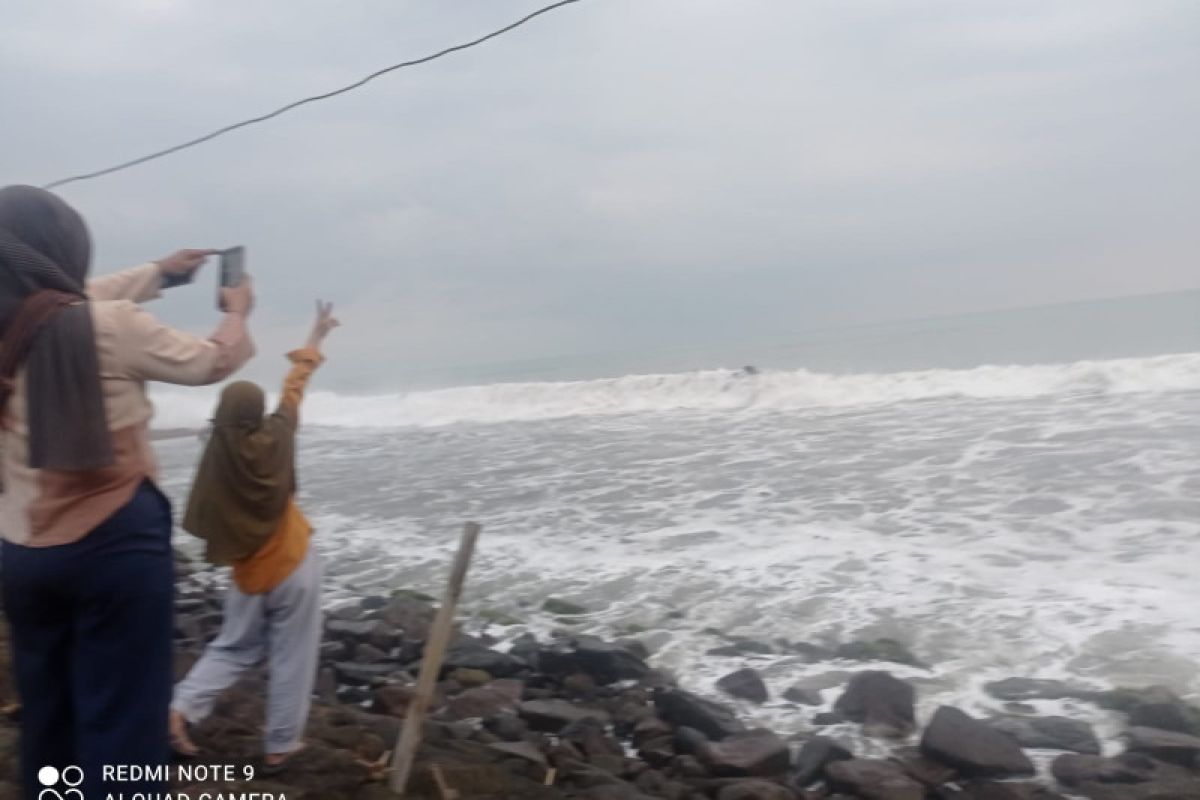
column 243, row 505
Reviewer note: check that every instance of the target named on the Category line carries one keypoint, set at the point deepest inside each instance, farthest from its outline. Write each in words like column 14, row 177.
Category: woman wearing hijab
column 243, row 505
column 87, row 566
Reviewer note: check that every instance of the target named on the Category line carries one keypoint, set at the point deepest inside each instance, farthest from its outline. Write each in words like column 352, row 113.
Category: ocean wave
column 711, row 390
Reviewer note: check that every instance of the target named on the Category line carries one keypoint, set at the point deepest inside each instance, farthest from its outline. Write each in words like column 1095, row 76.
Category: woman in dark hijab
column 243, row 506
column 87, row 570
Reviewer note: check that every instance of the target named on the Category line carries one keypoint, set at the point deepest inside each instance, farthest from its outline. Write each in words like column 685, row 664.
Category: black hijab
column 46, row 326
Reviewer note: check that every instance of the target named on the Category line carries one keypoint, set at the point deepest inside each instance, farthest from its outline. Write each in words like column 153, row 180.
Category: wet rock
column 742, row 647
column 873, row 780
column 816, row 754
column 878, row 650
column 393, row 700
column 756, row 752
column 1152, row 707
column 1168, row 746
column 803, row 695
column 972, row 747
column 921, row 769
column 590, row 737
column 552, row 716
column 1020, row 689
column 884, row 704
column 605, row 662
column 525, row 750
column 1077, row 770
column 486, row 701
column 563, row 608
column 658, row 752
column 744, row 684
column 684, row 708
column 468, row 654
column 827, row 718
column 410, row 615
column 649, row 727
column 754, row 790
column 1049, row 733
column 366, row 653
column 993, row 790
column 508, row 727
column 364, row 674
column 1185, row 788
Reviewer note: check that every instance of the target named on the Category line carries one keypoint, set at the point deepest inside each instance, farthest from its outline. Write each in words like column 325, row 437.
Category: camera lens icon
column 50, row 777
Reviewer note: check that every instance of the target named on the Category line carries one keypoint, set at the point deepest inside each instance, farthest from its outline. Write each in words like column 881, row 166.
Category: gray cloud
column 623, row 174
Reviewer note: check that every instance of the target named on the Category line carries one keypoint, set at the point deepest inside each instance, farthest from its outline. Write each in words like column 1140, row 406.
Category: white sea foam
column 714, row 390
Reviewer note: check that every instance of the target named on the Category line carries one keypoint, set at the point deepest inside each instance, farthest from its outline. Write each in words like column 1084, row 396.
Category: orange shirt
column 282, row 553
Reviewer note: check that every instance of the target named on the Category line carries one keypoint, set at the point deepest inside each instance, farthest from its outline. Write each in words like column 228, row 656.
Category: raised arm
column 146, row 282
column 153, row 351
column 304, row 363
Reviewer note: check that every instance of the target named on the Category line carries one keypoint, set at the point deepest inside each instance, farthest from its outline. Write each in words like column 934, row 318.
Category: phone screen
column 233, row 269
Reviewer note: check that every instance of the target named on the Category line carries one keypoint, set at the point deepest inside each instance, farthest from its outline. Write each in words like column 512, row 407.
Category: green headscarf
column 246, row 476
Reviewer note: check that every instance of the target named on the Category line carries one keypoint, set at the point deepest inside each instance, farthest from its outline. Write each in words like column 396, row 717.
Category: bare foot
column 276, row 761
column 181, row 743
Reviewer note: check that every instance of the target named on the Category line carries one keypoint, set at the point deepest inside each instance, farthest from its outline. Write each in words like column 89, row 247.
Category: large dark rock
column 873, row 780
column 364, row 674
column 994, row 790
column 878, row 650
column 803, row 695
column 1183, row 788
column 884, row 704
column 973, row 748
column 1076, row 770
column 754, row 790
column 605, row 662
column 812, row 759
column 1169, row 746
column 922, row 769
column 498, row 697
column 410, row 615
column 1152, row 707
column 468, row 654
column 552, row 716
column 756, row 752
column 684, row 708
column 1020, row 689
column 745, row 684
column 1049, row 733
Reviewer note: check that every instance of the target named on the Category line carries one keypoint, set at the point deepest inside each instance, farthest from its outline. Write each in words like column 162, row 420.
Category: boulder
column 551, row 716
column 1049, row 733
column 678, row 707
column 1152, row 707
column 756, row 752
column 1020, row 689
column 994, row 790
column 884, row 704
column 803, row 695
column 744, row 684
column 972, row 747
column 1076, row 770
column 873, row 780
column 364, row 674
column 878, row 650
column 604, row 661
column 472, row 655
column 1169, row 746
column 921, row 769
column 814, row 756
column 754, row 790
column 408, row 614
column 499, row 697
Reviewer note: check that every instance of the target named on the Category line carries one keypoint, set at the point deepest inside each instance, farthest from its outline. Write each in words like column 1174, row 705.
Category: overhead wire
column 313, row 99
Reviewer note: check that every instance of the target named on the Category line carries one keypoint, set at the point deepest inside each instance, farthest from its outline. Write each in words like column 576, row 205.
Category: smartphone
column 233, row 270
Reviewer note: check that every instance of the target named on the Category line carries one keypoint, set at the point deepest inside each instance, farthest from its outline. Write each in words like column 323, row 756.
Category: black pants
column 91, row 634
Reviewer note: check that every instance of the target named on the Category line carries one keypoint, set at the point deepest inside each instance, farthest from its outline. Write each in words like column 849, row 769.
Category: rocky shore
column 579, row 717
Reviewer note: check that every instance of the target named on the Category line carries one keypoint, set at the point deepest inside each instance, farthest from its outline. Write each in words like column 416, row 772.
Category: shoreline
column 575, row 716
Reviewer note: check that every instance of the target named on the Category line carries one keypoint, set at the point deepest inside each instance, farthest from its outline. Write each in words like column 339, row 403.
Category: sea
column 1013, row 493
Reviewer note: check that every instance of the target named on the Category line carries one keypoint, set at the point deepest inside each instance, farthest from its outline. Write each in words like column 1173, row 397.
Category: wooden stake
column 443, row 787
column 431, row 663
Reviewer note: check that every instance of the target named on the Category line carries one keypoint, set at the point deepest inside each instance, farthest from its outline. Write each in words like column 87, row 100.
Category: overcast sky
column 621, row 174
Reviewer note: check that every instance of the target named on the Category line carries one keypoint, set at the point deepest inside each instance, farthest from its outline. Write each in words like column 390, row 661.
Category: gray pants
column 284, row 627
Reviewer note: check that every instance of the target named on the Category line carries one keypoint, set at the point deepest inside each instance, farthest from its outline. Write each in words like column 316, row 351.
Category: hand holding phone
column 234, row 293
